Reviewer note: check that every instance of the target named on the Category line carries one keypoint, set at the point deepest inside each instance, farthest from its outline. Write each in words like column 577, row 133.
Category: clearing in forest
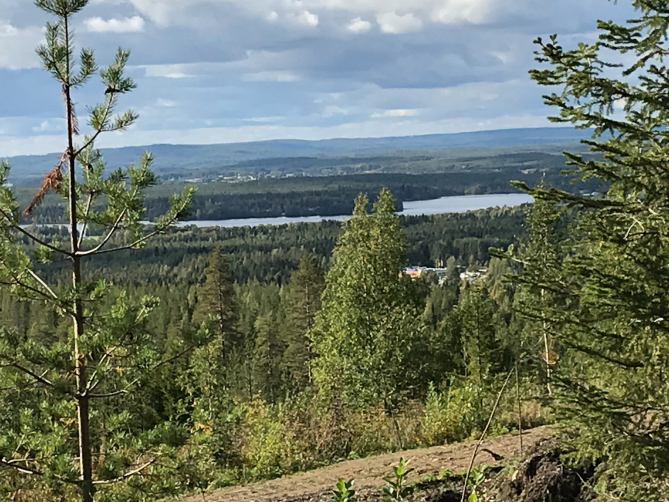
column 369, row 472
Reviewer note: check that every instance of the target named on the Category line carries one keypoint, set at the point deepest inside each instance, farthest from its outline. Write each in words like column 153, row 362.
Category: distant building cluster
column 418, row 272
column 442, row 273
column 472, row 275
column 237, row 178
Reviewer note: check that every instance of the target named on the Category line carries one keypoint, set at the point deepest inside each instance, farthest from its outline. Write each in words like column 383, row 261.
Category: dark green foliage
column 303, row 303
column 369, row 337
column 218, row 304
column 483, row 352
column 271, row 253
column 255, row 415
column 608, row 289
column 334, row 195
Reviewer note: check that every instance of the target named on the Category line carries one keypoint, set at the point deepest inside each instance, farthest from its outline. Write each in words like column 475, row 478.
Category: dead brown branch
column 53, row 180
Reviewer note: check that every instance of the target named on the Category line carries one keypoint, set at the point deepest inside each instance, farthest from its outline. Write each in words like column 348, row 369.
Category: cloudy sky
column 220, row 71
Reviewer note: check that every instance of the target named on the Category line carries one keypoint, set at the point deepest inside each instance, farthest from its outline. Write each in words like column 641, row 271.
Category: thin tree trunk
column 391, row 413
column 483, row 435
column 520, row 410
column 83, row 412
column 546, row 349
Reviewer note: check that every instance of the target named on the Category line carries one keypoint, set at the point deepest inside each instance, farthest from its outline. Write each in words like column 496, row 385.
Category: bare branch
column 27, row 371
column 26, row 286
column 85, row 227
column 42, row 283
column 107, row 237
column 21, row 469
column 135, row 243
column 137, row 380
column 115, row 393
column 127, row 475
column 13, row 464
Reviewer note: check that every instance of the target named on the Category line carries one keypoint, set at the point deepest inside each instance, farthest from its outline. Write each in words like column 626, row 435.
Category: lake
column 457, row 204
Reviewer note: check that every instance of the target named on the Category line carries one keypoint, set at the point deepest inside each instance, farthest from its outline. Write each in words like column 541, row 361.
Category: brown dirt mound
column 541, row 478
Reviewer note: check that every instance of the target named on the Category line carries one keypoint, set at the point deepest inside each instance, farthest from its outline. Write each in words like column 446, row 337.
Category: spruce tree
column 483, row 352
column 609, row 307
column 304, row 301
column 267, row 355
column 218, row 305
column 68, row 423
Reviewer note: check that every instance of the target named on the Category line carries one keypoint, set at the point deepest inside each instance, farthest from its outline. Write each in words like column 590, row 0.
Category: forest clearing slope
column 369, row 472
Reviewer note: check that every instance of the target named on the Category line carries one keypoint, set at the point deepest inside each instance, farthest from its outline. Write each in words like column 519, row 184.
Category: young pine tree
column 69, row 422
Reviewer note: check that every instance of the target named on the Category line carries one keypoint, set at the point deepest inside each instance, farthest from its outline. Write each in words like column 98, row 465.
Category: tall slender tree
column 303, row 303
column 82, row 380
column 482, row 349
column 219, row 303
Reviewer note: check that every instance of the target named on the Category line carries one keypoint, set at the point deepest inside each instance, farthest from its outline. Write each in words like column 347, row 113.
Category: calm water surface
column 458, row 204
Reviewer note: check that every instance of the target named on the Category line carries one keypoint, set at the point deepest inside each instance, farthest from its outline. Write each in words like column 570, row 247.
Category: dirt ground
column 369, row 472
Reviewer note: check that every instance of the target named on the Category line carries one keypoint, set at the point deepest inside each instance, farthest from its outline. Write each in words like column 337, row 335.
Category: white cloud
column 54, row 125
column 391, row 22
column 162, row 12
column 167, row 12
column 262, row 120
column 167, row 71
column 165, row 103
column 331, row 111
column 400, row 112
column 308, row 18
column 272, row 76
column 465, row 11
column 359, row 25
column 126, row 25
column 17, row 46
column 7, row 30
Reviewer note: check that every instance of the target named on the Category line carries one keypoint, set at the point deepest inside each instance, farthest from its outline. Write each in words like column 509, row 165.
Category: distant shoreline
column 442, row 205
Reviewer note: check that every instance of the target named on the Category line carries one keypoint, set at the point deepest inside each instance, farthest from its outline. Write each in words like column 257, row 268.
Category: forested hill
column 196, row 160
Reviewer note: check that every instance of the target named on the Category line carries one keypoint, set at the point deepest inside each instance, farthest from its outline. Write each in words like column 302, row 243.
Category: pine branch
column 32, row 237
column 27, row 371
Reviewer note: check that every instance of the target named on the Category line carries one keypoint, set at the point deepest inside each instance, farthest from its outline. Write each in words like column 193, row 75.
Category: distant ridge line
column 171, row 158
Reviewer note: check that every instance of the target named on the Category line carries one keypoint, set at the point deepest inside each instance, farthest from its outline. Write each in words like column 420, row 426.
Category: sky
column 224, row 71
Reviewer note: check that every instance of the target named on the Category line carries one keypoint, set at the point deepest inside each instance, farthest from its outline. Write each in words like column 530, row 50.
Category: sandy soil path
column 369, row 472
